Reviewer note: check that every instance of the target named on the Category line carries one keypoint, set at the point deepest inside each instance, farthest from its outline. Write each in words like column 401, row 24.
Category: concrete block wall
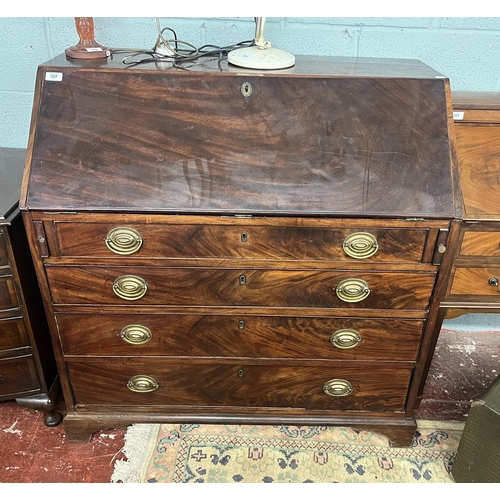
column 464, row 49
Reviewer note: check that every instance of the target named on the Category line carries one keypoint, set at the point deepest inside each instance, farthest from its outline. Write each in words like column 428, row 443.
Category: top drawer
column 481, row 244
column 264, row 240
column 478, row 152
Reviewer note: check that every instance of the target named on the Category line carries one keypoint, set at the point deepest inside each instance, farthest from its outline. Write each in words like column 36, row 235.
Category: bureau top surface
column 11, row 173
column 331, row 136
column 476, row 100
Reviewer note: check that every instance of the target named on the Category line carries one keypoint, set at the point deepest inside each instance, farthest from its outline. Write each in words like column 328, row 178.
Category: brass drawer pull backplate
column 345, row 338
column 337, row 387
column 130, row 287
column 352, row 290
column 136, row 334
column 124, row 240
column 360, row 245
column 142, row 383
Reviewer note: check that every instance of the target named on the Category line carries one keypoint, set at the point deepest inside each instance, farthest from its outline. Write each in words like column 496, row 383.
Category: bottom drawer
column 141, row 382
column 18, row 375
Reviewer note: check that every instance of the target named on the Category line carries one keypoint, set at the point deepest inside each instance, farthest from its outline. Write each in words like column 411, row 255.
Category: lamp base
column 256, row 57
column 94, row 51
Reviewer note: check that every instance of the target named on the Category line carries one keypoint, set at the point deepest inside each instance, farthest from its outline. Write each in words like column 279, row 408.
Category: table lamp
column 86, row 48
column 261, row 55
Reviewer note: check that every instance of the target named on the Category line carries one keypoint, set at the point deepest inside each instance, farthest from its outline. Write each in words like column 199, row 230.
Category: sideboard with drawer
column 223, row 245
column 27, row 366
column 474, row 286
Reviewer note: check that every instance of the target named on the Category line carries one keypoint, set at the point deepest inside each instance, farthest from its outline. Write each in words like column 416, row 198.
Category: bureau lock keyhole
column 246, row 89
column 243, row 280
column 240, row 373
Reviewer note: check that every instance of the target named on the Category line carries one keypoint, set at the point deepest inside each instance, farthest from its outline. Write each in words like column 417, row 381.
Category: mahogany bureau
column 28, row 371
column 236, row 246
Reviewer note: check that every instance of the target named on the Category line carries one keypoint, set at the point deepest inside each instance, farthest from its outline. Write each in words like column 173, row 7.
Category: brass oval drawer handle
column 360, row 245
column 136, row 334
column 337, row 387
column 346, row 338
column 130, row 287
column 124, row 240
column 352, row 290
column 142, row 383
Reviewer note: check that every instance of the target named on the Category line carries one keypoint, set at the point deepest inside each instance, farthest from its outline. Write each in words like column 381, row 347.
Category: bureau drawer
column 239, row 287
column 12, row 334
column 238, row 336
column 481, row 243
column 8, row 296
column 207, row 241
column 18, row 375
column 375, row 386
column 4, row 261
column 478, row 282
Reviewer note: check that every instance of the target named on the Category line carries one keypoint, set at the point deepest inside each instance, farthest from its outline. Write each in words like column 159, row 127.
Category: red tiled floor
column 32, row 452
column 463, row 366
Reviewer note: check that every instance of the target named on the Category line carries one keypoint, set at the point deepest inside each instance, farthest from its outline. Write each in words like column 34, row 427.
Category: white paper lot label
column 51, row 76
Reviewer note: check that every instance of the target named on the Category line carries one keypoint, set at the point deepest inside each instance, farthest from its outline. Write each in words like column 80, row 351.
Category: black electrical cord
column 183, row 55
column 175, row 55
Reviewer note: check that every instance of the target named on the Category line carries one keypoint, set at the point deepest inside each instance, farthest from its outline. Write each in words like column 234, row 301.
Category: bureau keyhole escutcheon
column 246, row 89
column 243, row 280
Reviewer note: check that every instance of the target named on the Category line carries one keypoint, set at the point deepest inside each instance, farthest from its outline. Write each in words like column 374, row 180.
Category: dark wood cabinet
column 474, row 285
column 27, row 366
column 209, row 254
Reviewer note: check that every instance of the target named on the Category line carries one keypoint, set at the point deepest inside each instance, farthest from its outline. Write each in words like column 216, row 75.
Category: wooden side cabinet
column 474, row 285
column 27, row 367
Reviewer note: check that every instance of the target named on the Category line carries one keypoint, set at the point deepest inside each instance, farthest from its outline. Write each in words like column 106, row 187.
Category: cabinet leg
column 46, row 403
column 79, row 429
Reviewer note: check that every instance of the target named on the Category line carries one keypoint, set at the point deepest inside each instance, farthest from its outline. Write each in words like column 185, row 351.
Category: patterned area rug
column 202, row 453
